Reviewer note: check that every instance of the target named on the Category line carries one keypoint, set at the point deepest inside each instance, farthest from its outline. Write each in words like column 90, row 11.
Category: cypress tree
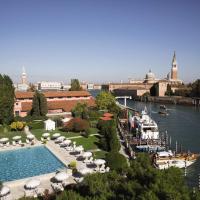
column 6, row 99
column 43, row 104
column 39, row 105
column 35, row 111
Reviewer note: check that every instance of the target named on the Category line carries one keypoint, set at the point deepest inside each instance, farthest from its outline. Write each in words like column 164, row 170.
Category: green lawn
column 88, row 143
column 11, row 134
column 99, row 154
column 38, row 133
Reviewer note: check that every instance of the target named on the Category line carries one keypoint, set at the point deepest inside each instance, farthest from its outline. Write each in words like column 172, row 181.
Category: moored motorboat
column 167, row 159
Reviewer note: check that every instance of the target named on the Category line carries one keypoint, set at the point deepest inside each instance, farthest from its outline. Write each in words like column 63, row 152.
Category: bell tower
column 174, row 69
column 23, row 77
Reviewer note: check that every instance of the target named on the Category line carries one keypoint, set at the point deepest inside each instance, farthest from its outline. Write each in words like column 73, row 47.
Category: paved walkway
column 80, row 136
column 17, row 187
column 122, row 148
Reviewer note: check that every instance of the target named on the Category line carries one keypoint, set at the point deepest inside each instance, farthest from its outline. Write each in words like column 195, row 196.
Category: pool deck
column 17, row 186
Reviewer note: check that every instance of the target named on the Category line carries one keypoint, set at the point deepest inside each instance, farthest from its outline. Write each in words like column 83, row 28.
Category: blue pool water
column 27, row 162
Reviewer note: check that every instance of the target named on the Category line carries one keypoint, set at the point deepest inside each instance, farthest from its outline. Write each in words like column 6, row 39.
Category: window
column 16, row 113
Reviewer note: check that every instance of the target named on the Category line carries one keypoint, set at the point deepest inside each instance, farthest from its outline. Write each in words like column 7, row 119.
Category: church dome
column 150, row 76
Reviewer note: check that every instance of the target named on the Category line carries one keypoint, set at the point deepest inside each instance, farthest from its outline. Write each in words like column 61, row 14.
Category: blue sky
column 99, row 40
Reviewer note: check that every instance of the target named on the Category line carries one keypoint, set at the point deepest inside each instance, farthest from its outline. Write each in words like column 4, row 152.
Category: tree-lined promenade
column 137, row 181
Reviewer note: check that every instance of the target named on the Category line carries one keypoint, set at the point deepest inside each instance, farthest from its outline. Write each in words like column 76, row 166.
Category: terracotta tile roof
column 29, row 95
column 108, row 115
column 65, row 105
column 105, row 118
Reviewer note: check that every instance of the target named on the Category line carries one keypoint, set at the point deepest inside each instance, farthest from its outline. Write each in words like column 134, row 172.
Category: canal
column 182, row 124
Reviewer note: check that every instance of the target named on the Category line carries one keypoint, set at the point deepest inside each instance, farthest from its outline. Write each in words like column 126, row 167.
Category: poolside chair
column 13, row 143
column 1, row 145
column 69, row 148
column 57, row 187
column 20, row 142
column 30, row 193
column 48, row 138
column 8, row 144
column 42, row 139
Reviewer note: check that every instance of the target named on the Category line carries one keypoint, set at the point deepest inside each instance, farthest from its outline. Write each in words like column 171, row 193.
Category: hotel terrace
column 58, row 102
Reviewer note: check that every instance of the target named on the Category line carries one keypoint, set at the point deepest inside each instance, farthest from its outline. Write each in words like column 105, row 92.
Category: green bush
column 72, row 164
column 116, row 161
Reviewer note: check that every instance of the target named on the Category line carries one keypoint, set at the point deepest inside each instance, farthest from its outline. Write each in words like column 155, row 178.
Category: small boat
column 163, row 113
column 163, row 107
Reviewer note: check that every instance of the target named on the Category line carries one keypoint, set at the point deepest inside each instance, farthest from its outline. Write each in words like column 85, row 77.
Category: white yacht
column 146, row 126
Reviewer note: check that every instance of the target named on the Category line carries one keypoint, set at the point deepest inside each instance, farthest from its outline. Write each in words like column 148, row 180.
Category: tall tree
column 43, row 104
column 196, row 88
column 35, row 111
column 104, row 100
column 75, row 85
column 39, row 105
column 6, row 99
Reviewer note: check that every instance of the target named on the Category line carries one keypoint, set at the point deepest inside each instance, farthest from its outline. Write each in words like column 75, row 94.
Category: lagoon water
column 182, row 124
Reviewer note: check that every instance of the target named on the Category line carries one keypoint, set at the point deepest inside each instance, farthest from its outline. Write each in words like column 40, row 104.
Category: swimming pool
column 27, row 162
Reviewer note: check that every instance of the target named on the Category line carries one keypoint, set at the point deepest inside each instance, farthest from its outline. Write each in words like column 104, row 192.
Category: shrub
column 72, row 164
column 116, row 161
column 17, row 126
column 80, row 125
column 77, row 125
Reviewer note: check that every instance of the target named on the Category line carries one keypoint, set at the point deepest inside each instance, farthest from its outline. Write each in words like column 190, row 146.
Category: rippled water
column 182, row 124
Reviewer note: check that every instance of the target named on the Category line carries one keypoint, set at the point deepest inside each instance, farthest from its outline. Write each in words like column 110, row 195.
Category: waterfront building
column 58, row 102
column 137, row 88
column 90, row 86
column 49, row 85
column 97, row 87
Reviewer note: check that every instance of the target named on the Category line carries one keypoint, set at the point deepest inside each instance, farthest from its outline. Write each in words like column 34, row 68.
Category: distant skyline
column 99, row 41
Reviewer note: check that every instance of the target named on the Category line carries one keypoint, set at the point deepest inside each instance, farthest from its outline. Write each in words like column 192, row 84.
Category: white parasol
column 32, row 183
column 56, row 135
column 2, row 140
column 67, row 142
column 30, row 136
column 4, row 191
column 17, row 137
column 79, row 149
column 85, row 171
column 45, row 135
column 61, row 176
column 99, row 162
column 60, row 139
column 87, row 154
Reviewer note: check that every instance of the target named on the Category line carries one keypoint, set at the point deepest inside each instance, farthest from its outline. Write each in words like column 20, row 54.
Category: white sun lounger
column 30, row 193
column 57, row 187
